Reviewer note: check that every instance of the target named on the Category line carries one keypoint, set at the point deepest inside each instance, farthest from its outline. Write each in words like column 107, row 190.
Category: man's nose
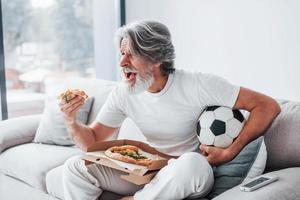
column 124, row 61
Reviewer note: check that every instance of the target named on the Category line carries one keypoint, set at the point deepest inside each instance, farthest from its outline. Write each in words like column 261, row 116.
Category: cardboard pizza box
column 136, row 174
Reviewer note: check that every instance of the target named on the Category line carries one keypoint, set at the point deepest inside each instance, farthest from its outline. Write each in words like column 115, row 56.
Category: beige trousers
column 188, row 176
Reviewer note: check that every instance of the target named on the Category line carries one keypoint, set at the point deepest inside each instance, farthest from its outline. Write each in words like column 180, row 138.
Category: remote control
column 258, row 182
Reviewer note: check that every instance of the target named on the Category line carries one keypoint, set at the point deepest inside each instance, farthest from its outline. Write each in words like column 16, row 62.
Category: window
column 44, row 39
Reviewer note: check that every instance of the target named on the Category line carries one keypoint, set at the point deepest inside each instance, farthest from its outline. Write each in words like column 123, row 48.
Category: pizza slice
column 128, row 153
column 71, row 93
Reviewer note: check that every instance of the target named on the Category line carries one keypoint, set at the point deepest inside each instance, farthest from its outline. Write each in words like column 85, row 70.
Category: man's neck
column 159, row 83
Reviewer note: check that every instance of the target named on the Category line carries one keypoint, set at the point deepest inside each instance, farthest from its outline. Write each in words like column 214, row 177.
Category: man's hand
column 83, row 135
column 72, row 107
column 215, row 155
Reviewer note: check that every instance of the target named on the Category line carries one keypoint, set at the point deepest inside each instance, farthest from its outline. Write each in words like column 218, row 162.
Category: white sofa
column 33, row 171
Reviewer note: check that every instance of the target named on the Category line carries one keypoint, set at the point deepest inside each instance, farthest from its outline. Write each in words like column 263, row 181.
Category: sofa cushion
column 31, row 162
column 259, row 164
column 12, row 135
column 287, row 187
column 52, row 128
column 284, row 133
column 14, row 189
column 234, row 172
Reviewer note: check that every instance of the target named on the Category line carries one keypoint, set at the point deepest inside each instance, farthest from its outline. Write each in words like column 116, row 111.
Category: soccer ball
column 219, row 126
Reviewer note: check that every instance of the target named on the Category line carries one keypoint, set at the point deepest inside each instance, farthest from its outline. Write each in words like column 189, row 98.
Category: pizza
column 128, row 153
column 71, row 93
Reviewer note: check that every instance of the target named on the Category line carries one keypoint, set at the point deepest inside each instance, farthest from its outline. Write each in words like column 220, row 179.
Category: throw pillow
column 259, row 164
column 52, row 128
column 235, row 172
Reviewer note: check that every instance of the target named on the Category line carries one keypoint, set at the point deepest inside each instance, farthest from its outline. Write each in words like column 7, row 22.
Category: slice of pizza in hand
column 129, row 154
column 71, row 93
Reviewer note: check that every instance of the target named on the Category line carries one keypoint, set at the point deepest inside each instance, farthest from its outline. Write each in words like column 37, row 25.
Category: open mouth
column 130, row 74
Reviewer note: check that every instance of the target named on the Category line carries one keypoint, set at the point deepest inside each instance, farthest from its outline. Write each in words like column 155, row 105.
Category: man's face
column 137, row 72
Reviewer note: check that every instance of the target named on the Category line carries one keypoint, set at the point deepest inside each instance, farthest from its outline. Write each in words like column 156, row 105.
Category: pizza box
column 136, row 174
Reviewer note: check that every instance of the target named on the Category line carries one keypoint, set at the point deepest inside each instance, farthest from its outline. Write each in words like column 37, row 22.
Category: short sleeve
column 214, row 90
column 112, row 112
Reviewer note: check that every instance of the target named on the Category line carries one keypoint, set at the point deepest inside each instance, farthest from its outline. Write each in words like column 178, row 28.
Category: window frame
column 3, row 100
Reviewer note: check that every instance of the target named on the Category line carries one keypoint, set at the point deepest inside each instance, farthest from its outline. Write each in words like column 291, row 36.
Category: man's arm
column 263, row 110
column 83, row 135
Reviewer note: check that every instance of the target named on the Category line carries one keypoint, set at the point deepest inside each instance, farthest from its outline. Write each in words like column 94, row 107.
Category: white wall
column 254, row 43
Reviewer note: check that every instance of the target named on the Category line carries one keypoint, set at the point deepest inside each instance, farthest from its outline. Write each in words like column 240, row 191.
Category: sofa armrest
column 18, row 130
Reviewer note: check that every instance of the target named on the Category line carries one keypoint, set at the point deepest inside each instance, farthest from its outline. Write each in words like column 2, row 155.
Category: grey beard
column 140, row 85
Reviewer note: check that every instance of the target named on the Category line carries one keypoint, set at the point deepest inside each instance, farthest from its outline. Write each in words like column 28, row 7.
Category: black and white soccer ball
column 219, row 126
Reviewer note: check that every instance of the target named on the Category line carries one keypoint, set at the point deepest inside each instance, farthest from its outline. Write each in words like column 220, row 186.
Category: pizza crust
column 114, row 153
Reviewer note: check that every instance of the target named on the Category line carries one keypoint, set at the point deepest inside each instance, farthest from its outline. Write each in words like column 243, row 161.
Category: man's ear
column 157, row 64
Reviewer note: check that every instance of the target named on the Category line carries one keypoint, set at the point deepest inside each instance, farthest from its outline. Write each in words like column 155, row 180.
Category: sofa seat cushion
column 287, row 187
column 14, row 189
column 31, row 162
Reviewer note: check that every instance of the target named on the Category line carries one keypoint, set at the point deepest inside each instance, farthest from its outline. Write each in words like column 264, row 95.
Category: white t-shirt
column 168, row 118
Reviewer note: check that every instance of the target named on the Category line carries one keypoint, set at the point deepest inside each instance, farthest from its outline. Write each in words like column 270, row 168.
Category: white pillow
column 258, row 167
column 52, row 128
column 259, row 164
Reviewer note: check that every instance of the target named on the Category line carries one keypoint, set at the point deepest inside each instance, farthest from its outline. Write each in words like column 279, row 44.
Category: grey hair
column 150, row 40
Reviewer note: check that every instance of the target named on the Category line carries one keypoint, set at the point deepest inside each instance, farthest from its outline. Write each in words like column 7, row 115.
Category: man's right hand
column 70, row 109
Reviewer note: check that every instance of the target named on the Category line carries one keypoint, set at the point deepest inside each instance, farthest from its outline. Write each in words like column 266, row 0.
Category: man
column 165, row 103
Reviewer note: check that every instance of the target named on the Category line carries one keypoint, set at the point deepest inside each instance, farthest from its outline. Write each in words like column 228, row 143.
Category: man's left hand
column 215, row 155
